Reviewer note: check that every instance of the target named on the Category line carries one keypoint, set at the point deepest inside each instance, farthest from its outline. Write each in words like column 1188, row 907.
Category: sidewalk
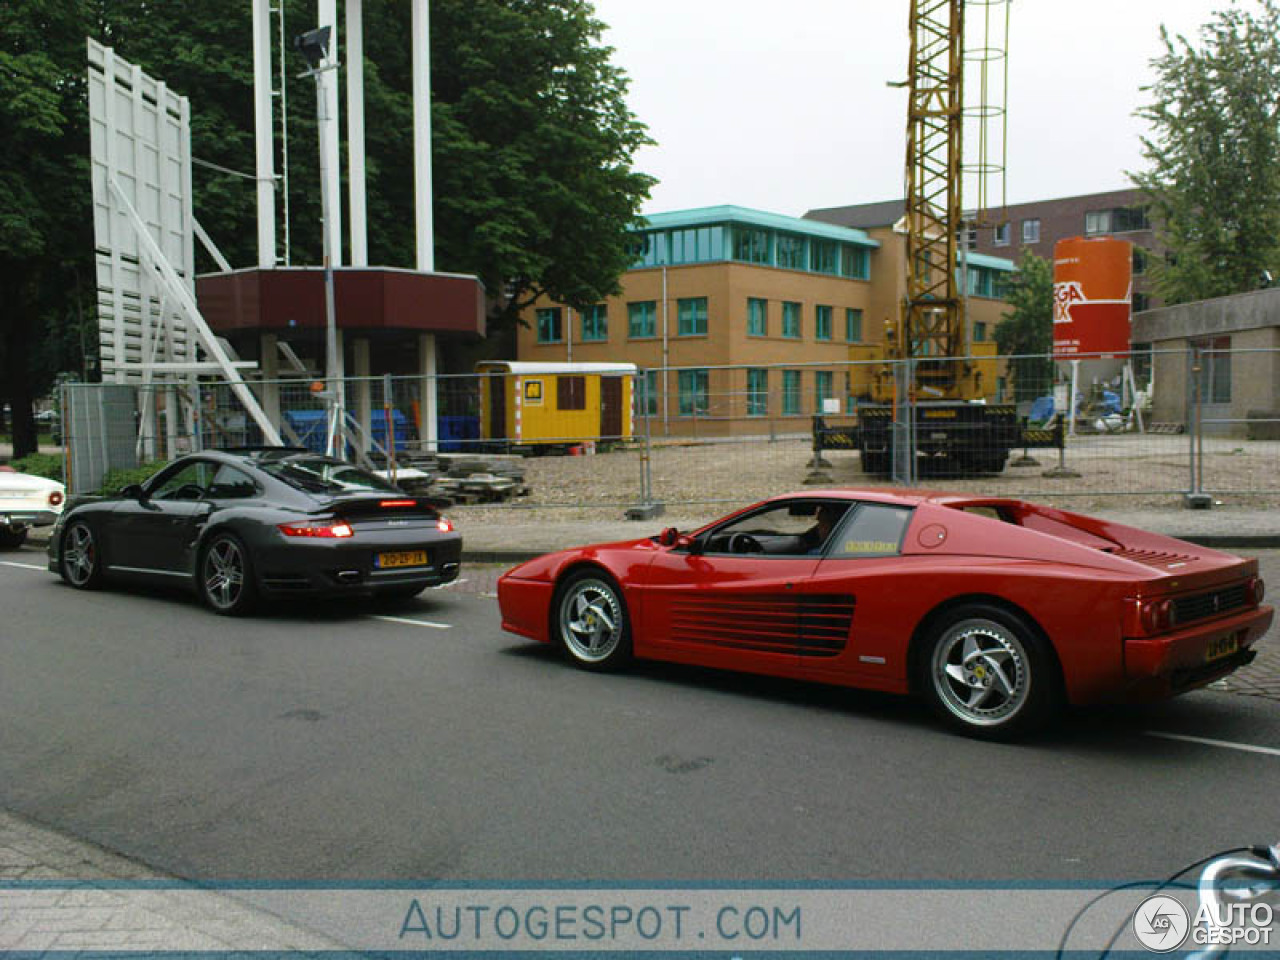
column 61, row 894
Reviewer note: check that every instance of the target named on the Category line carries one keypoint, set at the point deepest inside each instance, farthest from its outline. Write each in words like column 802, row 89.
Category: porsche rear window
column 323, row 475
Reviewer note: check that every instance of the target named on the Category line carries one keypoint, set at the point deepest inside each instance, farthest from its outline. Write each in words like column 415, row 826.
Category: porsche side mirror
column 133, row 491
column 669, row 537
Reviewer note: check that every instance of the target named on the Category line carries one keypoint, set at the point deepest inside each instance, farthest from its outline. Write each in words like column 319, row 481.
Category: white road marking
column 1227, row 744
column 451, row 583
column 415, row 623
column 24, row 566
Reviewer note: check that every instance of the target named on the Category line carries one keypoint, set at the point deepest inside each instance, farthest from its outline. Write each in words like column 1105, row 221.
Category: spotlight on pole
column 314, row 45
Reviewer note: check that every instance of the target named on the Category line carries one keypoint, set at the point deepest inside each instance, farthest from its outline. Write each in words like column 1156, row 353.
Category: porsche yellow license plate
column 1221, row 647
column 403, row 558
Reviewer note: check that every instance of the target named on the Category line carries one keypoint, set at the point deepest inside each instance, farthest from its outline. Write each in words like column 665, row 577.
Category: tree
column 532, row 154
column 1213, row 184
column 1026, row 333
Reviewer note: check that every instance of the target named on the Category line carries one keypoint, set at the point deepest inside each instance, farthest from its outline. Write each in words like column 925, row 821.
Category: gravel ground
column 701, row 480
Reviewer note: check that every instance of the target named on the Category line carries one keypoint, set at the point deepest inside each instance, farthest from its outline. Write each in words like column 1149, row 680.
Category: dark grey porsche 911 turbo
column 237, row 525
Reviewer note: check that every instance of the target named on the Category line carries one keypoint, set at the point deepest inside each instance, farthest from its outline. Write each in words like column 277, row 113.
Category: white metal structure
column 148, row 322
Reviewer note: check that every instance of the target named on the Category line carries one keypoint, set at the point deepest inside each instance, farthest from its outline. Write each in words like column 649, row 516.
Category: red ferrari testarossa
column 997, row 611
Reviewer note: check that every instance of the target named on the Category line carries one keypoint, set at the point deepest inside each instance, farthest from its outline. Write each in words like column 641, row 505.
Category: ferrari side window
column 873, row 530
column 788, row 529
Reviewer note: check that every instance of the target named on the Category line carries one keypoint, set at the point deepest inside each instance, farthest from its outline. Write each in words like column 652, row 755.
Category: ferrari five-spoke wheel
column 591, row 622
column 989, row 675
column 226, row 582
column 80, row 566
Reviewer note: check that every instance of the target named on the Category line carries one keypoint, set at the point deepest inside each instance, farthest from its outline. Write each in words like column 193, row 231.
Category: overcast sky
column 782, row 105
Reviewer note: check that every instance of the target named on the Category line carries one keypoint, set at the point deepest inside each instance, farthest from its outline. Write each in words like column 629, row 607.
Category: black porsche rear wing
column 377, row 504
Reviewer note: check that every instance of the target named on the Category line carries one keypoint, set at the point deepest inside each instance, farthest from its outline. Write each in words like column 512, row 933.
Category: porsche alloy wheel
column 989, row 674
column 226, row 584
column 591, row 622
column 80, row 566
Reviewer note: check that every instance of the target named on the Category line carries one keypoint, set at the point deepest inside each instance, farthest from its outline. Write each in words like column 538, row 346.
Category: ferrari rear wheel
column 80, row 559
column 591, row 621
column 225, row 577
column 989, row 674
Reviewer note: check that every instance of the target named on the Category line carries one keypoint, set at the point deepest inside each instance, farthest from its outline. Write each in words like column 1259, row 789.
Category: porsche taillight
column 444, row 525
column 325, row 529
column 1157, row 615
column 55, row 498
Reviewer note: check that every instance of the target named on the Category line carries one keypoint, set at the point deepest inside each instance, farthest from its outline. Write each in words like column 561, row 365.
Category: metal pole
column 391, row 427
column 666, row 360
column 355, row 133
column 327, row 94
column 423, row 216
column 333, row 362
column 263, row 140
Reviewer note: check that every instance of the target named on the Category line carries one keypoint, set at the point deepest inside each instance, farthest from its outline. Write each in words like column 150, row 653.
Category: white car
column 26, row 501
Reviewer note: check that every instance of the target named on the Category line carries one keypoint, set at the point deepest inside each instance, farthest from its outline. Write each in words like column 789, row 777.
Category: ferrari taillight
column 445, row 525
column 327, row 529
column 1157, row 615
column 1257, row 591
column 56, row 498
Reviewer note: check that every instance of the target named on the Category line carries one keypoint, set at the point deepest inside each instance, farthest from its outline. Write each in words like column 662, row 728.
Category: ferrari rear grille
column 1153, row 558
column 1201, row 605
column 815, row 625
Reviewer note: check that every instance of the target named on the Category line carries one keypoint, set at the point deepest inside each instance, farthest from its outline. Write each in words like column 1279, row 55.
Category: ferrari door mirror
column 669, row 537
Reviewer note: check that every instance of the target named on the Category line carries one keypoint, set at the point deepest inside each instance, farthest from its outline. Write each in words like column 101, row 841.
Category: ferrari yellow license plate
column 1221, row 647
column 403, row 558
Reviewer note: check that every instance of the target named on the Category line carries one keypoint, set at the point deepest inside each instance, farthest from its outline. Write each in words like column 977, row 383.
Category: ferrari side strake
column 996, row 611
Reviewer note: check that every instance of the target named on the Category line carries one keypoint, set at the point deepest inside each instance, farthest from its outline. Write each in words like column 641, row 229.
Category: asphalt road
column 323, row 743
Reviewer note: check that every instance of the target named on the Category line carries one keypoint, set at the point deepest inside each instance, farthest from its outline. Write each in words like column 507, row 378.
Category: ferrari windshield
column 317, row 474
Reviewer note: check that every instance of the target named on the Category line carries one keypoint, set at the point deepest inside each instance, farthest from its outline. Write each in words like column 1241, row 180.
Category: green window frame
column 652, row 387
column 750, row 245
column 854, row 262
column 853, row 324
column 979, row 330
column 595, row 323
column 550, row 325
column 791, row 399
column 824, row 257
column 691, row 313
column 757, row 317
column 757, row 392
column 791, row 322
column 642, row 319
column 823, row 388
column 792, row 251
column 693, row 392
column 822, row 323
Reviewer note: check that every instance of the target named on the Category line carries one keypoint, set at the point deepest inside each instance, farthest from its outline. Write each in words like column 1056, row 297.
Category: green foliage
column 113, row 480
column 1026, row 333
column 1213, row 182
column 532, row 152
column 47, row 465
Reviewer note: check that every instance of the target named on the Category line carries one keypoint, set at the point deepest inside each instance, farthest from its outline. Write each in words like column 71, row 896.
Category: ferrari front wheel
column 591, row 623
column 990, row 674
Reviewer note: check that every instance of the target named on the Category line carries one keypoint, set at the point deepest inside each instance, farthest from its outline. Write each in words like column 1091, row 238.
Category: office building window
column 550, row 326
column 750, row 245
column 822, row 390
column 757, row 393
column 652, row 386
column 822, row 323
column 693, row 397
column 791, row 319
column 1096, row 222
column 692, row 316
column 824, row 256
column 1030, row 231
column 595, row 323
column 853, row 325
column 792, row 252
column 1139, row 261
column 979, row 331
column 642, row 319
column 854, row 262
column 757, row 317
column 790, row 392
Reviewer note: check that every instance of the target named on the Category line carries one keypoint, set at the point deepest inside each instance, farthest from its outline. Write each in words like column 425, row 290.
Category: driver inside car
column 825, row 519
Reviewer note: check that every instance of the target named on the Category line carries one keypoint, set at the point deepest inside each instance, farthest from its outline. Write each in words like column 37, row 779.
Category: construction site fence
column 1156, row 426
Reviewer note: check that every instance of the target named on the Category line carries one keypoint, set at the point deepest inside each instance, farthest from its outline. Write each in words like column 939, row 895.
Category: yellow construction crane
column 933, row 325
